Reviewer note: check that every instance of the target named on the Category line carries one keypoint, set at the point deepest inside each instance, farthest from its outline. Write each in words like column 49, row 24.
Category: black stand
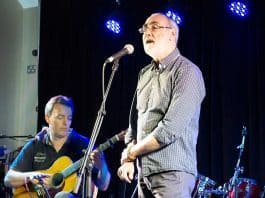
column 95, row 132
column 233, row 185
column 134, row 191
column 87, row 185
column 136, row 186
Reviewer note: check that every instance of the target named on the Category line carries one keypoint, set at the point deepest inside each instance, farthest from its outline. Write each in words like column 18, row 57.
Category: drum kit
column 237, row 187
column 245, row 188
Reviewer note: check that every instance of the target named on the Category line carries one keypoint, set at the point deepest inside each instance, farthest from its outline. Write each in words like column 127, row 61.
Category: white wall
column 19, row 35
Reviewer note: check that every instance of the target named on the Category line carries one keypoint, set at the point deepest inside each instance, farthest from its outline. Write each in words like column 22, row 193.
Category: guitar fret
column 69, row 170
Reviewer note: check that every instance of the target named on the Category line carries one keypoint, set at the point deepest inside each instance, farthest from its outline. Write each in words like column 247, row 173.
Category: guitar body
column 58, row 166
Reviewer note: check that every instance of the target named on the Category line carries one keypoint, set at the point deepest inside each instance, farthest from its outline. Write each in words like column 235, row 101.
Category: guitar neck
column 71, row 169
column 102, row 147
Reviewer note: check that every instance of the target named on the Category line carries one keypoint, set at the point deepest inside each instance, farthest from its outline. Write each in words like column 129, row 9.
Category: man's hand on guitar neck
column 96, row 158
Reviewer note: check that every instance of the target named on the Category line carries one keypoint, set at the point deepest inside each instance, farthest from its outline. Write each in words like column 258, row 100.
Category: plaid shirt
column 167, row 104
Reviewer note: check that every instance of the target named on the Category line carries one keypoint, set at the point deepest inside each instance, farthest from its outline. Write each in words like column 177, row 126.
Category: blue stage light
column 238, row 8
column 174, row 16
column 113, row 26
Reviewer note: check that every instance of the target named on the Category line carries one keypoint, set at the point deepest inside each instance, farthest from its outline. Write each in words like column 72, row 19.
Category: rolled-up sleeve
column 188, row 92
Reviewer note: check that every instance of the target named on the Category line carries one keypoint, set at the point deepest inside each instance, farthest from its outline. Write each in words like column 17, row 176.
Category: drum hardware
column 202, row 190
column 204, row 186
column 246, row 187
column 241, row 187
column 236, row 187
column 218, row 191
column 233, row 184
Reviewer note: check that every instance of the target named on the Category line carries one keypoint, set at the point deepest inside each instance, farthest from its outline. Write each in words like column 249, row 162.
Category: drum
column 203, row 187
column 246, row 188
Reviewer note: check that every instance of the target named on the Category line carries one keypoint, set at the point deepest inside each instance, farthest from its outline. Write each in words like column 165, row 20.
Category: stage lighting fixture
column 238, row 8
column 174, row 16
column 113, row 26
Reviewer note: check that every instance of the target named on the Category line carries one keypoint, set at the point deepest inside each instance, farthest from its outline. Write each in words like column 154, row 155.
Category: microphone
column 127, row 49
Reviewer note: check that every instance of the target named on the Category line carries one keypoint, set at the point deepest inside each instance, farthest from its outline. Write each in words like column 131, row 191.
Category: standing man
column 164, row 118
column 52, row 145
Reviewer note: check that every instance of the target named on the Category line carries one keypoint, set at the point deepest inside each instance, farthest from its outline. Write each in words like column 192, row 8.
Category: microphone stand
column 238, row 169
column 95, row 132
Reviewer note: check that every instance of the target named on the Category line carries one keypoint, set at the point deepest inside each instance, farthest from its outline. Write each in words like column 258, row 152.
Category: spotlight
column 174, row 16
column 238, row 8
column 113, row 26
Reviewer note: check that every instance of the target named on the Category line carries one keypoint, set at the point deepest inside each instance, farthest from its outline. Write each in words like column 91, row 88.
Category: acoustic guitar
column 63, row 174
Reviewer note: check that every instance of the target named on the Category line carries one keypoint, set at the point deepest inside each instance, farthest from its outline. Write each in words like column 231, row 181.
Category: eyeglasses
column 152, row 27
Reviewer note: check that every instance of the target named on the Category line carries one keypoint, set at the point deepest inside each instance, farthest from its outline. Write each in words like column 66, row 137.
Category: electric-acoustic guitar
column 63, row 174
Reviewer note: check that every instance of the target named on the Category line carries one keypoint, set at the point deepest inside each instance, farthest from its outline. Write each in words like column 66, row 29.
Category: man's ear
column 173, row 32
column 47, row 119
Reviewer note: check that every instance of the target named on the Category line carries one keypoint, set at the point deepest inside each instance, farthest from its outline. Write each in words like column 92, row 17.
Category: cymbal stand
column 234, row 181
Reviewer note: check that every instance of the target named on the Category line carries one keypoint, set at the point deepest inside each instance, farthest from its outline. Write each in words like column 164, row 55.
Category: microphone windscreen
column 129, row 48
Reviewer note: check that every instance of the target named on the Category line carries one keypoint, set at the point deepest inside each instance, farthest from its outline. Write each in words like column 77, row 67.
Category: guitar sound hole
column 57, row 179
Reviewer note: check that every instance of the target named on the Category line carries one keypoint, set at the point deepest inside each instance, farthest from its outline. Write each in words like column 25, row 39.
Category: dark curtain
column 230, row 52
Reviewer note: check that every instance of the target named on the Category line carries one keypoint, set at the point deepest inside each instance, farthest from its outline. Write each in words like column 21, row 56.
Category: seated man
column 51, row 151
